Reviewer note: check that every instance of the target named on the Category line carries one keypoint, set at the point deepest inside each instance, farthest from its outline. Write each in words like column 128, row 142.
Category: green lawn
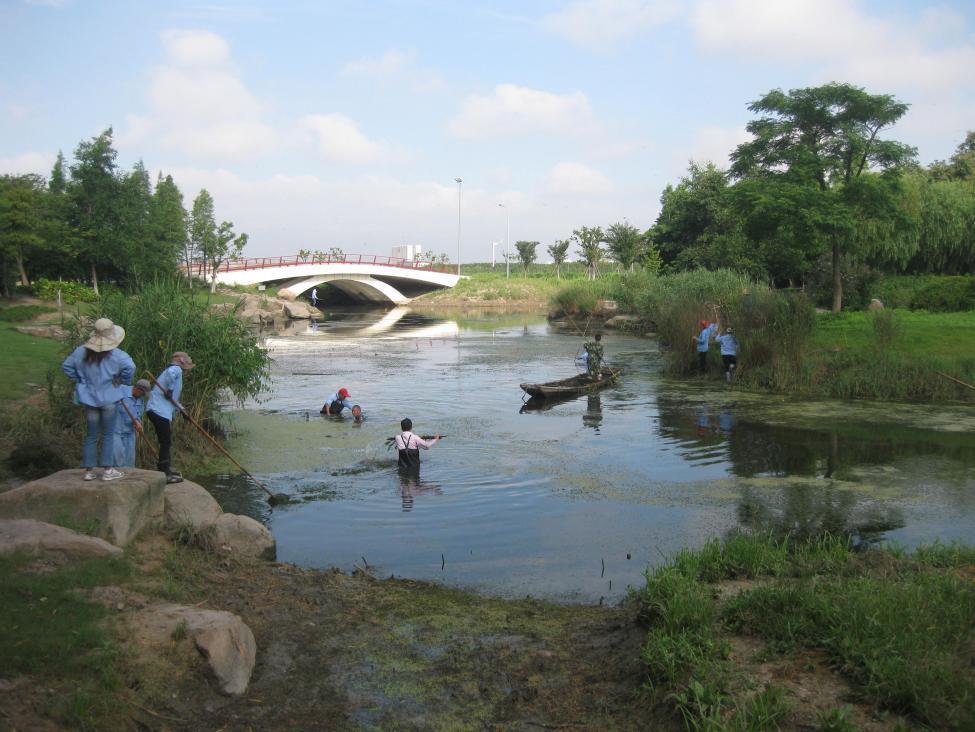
column 933, row 334
column 24, row 359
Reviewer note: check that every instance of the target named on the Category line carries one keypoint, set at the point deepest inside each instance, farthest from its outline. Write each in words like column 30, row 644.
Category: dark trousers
column 702, row 361
column 164, row 431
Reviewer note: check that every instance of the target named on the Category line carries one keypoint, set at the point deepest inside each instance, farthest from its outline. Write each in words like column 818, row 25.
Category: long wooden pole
column 957, row 381
column 210, row 437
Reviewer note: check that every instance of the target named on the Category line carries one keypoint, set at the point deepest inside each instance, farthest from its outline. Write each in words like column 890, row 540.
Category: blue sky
column 320, row 124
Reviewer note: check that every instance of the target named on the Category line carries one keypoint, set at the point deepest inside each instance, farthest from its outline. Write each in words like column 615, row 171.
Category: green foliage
column 625, row 244
column 165, row 317
column 558, row 252
column 946, row 295
column 23, row 313
column 71, row 292
column 589, row 240
column 760, row 712
column 898, row 291
column 836, row 720
column 527, row 253
column 581, row 297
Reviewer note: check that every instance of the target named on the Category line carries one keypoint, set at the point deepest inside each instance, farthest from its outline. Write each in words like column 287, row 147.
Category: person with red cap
column 703, row 341
column 337, row 402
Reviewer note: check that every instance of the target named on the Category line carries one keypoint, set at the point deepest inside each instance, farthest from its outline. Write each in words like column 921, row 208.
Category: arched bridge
column 363, row 277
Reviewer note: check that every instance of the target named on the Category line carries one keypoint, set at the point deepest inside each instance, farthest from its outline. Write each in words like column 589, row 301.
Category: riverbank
column 727, row 637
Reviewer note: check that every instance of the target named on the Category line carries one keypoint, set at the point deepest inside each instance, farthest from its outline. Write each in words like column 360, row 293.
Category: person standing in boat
column 338, row 401
column 408, row 446
column 593, row 357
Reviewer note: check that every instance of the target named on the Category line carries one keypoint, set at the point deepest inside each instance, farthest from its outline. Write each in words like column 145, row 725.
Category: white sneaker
column 89, row 474
column 112, row 474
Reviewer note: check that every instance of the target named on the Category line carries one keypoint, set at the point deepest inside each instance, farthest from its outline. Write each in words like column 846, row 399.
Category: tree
column 58, row 184
column 203, row 235
column 93, row 191
column 227, row 245
column 558, row 252
column 22, row 221
column 625, row 243
column 589, row 238
column 135, row 262
column 336, row 253
column 960, row 166
column 167, row 225
column 821, row 145
column 527, row 253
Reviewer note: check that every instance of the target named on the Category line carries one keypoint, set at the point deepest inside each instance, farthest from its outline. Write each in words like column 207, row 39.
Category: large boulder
column 115, row 511
column 189, row 503
column 222, row 638
column 37, row 537
column 298, row 311
column 244, row 537
column 875, row 304
column 287, row 295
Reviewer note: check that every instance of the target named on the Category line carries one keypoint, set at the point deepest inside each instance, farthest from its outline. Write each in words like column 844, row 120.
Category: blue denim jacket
column 99, row 384
column 171, row 378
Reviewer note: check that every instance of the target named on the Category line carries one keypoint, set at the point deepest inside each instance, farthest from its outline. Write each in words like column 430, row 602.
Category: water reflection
column 411, row 487
column 593, row 416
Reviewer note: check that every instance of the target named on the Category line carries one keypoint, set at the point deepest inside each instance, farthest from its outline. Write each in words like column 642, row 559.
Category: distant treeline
column 92, row 221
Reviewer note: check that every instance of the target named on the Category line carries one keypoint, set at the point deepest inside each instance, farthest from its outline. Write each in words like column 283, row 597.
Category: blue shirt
column 334, row 399
column 704, row 336
column 123, row 422
column 100, row 383
column 729, row 345
column 170, row 379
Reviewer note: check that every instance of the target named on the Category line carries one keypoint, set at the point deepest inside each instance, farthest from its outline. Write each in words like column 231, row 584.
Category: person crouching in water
column 162, row 406
column 408, row 446
column 128, row 422
column 729, row 352
column 338, row 401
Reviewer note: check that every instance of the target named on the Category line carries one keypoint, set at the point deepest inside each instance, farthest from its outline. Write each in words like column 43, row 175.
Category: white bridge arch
column 365, row 278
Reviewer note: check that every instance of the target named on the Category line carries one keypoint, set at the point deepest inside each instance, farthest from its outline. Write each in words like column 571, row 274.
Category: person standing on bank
column 128, row 422
column 102, row 373
column 408, row 446
column 162, row 405
column 335, row 403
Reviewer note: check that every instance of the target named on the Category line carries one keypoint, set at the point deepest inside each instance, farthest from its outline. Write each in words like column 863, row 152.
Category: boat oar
column 137, row 430
column 273, row 498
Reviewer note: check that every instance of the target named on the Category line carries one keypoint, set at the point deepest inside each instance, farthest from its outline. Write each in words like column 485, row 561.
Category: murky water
column 572, row 501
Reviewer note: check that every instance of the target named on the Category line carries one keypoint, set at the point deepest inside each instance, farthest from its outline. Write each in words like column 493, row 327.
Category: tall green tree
column 167, row 225
column 134, row 233
column 202, row 235
column 93, row 190
column 822, row 143
column 527, row 253
column 22, row 221
column 227, row 245
column 589, row 239
column 625, row 243
column 58, row 183
column 558, row 252
column 960, row 166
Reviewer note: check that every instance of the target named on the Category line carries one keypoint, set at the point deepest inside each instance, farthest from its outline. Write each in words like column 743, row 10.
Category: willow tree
column 824, row 145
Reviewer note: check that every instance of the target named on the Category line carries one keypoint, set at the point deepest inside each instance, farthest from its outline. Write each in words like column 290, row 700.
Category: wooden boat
column 580, row 384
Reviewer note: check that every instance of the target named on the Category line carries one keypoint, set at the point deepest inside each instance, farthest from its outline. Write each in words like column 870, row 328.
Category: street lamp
column 507, row 236
column 460, row 181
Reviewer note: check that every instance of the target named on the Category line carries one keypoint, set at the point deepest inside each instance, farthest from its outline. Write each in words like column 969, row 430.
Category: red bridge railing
column 243, row 263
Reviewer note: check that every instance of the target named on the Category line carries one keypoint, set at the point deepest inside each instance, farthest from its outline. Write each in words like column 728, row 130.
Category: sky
column 345, row 124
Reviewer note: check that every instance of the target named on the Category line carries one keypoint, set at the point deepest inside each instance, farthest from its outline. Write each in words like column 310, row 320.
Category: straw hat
column 183, row 360
column 105, row 337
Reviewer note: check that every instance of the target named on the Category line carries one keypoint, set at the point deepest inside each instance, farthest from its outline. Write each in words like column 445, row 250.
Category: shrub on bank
column 946, row 295
column 71, row 292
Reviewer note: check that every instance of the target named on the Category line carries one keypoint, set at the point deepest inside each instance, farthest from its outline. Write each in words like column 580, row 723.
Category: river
column 575, row 501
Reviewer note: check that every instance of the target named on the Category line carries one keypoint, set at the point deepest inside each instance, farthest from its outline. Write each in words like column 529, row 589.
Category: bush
column 22, row 313
column 581, row 297
column 71, row 292
column 946, row 295
column 898, row 291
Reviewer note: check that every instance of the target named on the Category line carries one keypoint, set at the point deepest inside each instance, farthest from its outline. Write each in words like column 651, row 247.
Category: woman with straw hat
column 102, row 373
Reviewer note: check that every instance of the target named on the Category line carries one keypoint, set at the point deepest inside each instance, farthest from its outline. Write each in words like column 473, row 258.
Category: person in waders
column 408, row 446
column 162, row 407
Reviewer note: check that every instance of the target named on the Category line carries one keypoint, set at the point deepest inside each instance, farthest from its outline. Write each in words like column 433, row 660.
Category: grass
column 901, row 628
column 942, row 335
column 24, row 359
column 493, row 288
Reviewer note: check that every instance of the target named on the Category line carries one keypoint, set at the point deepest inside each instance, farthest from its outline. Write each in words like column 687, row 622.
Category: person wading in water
column 408, row 446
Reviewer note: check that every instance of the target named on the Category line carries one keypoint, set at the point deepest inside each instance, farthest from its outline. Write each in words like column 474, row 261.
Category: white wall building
column 408, row 251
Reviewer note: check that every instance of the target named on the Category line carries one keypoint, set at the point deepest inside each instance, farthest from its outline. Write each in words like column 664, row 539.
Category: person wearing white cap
column 162, row 406
column 102, row 373
column 128, row 422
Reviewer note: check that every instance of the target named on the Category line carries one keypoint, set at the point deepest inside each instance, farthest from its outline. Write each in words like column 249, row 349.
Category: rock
column 297, row 311
column 115, row 511
column 624, row 322
column 37, row 537
column 222, row 638
column 608, row 306
column 243, row 536
column 44, row 331
column 287, row 295
column 875, row 304
column 189, row 503
column 223, row 307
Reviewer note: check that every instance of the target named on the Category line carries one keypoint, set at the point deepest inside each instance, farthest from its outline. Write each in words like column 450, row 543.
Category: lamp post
column 507, row 236
column 460, row 182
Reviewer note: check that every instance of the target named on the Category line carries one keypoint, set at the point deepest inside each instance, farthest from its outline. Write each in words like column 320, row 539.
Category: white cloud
column 601, row 24
column 518, row 110
column 398, row 67
column 199, row 105
column 338, row 138
column 576, row 179
column 844, row 39
column 29, row 162
column 715, row 144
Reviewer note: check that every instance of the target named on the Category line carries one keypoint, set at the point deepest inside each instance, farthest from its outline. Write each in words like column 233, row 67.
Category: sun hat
column 183, row 360
column 344, row 393
column 144, row 385
column 105, row 337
